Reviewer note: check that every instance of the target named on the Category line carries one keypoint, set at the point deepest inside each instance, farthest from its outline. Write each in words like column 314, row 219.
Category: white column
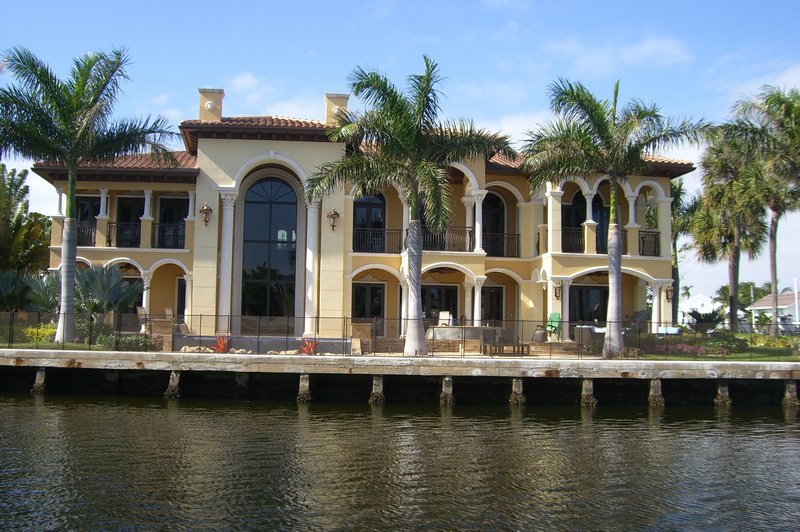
column 403, row 307
column 565, row 283
column 312, row 247
column 147, row 277
column 61, row 202
column 190, row 215
column 631, row 210
column 554, row 220
column 469, row 284
column 225, row 262
column 476, row 306
column 148, row 207
column 479, row 196
column 187, row 299
column 103, row 203
column 405, row 225
column 589, row 214
column 469, row 203
column 655, row 317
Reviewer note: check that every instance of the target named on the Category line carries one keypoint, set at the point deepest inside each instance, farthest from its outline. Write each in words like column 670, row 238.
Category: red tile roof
column 145, row 166
column 281, row 122
column 502, row 164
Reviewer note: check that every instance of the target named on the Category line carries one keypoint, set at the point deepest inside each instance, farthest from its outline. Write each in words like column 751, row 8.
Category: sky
column 498, row 57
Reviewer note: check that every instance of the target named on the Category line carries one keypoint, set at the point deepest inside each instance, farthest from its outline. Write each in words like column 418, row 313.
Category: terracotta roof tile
column 258, row 121
column 142, row 161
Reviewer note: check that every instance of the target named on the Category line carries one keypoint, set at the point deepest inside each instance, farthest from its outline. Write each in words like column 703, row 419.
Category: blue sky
column 694, row 59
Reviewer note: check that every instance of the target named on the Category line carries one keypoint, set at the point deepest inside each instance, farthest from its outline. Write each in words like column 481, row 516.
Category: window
column 369, row 224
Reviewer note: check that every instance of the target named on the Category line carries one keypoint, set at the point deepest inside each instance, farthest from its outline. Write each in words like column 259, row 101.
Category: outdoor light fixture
column 333, row 217
column 206, row 212
column 669, row 293
column 557, row 289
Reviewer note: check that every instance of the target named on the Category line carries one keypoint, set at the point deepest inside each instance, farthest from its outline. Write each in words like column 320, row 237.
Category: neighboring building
column 700, row 302
column 787, row 309
column 266, row 262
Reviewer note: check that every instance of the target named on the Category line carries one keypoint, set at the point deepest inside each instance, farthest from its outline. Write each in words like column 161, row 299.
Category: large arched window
column 369, row 224
column 268, row 250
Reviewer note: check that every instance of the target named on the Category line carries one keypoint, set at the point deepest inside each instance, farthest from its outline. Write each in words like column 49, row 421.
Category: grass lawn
column 755, row 354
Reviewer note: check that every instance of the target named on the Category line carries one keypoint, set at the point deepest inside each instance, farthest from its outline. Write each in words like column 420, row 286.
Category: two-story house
column 226, row 239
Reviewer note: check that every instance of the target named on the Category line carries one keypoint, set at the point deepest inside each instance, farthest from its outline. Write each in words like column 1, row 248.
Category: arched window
column 494, row 225
column 268, row 250
column 369, row 224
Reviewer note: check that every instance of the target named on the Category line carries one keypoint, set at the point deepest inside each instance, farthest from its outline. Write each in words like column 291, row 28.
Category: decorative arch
column 508, row 186
column 120, row 260
column 164, row 262
column 83, row 260
column 473, row 181
column 660, row 194
column 581, row 182
column 629, row 271
column 382, row 267
column 463, row 269
column 514, row 275
column 271, row 157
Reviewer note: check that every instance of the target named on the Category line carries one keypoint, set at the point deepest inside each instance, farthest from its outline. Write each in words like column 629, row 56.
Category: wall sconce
column 557, row 289
column 333, row 217
column 206, row 212
column 669, row 293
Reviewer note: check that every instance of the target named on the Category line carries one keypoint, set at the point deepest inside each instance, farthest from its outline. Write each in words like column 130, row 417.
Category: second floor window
column 369, row 224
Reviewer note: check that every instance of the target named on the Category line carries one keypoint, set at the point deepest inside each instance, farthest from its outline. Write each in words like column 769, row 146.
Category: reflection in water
column 109, row 463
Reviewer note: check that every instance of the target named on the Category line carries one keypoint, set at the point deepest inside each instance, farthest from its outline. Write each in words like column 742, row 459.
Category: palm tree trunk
column 65, row 331
column 773, row 270
column 676, row 282
column 733, row 281
column 613, row 343
column 415, row 331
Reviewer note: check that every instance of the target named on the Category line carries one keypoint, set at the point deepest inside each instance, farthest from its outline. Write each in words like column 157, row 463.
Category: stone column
column 146, row 228
column 479, row 197
column 225, row 262
column 631, row 209
column 38, row 382
column 403, row 307
column 655, row 398
column 469, row 203
column 173, row 388
column 517, row 396
column 665, row 227
column 377, row 397
column 476, row 306
column 587, row 393
column 632, row 227
column 406, row 217
column 312, row 247
column 469, row 284
column 101, row 224
column 190, row 214
column 103, row 203
column 187, row 300
column 590, row 237
column 565, row 309
column 447, row 397
column 304, row 391
column 61, row 202
column 543, row 234
column 147, row 277
column 554, row 220
column 655, row 316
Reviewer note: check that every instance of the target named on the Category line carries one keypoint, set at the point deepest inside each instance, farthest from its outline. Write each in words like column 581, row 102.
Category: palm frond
column 435, row 193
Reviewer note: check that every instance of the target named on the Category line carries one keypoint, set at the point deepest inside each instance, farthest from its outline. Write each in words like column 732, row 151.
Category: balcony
column 169, row 236
column 378, row 240
column 572, row 240
column 86, row 233
column 650, row 243
column 124, row 235
column 451, row 239
column 501, row 244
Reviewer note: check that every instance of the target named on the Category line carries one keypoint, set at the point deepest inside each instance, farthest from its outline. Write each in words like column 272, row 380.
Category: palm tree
column 683, row 208
column 24, row 236
column 69, row 122
column 399, row 141
column 730, row 216
column 591, row 136
column 772, row 122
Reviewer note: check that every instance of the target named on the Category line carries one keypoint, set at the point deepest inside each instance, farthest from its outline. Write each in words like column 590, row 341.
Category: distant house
column 700, row 302
column 786, row 306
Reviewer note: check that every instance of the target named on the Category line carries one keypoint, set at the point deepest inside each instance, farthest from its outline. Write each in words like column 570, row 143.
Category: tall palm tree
column 399, row 141
column 683, row 208
column 592, row 135
column 772, row 122
column 730, row 216
column 24, row 236
column 69, row 122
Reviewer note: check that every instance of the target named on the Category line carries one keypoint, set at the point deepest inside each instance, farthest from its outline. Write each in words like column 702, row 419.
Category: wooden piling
column 517, row 396
column 377, row 397
column 655, row 398
column 723, row 395
column 304, row 392
column 173, row 390
column 587, row 393
column 38, row 382
column 447, row 397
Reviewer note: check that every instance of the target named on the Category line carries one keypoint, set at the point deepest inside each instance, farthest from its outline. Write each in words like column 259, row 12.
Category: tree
column 729, row 217
column 103, row 289
column 399, row 141
column 772, row 121
column 592, row 135
column 24, row 236
column 69, row 122
column 683, row 208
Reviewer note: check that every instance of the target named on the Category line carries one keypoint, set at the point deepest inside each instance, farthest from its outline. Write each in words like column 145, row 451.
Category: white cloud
column 298, row 107
column 516, row 125
column 250, row 92
column 786, row 77
column 602, row 58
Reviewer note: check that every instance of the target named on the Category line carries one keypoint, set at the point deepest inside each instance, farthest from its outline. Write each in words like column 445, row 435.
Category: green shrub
column 764, row 340
column 88, row 330
column 126, row 342
column 43, row 334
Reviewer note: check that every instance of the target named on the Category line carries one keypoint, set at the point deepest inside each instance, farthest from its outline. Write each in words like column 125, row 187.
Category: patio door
column 369, row 303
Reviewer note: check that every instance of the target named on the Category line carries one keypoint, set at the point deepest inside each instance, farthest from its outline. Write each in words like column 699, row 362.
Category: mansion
column 223, row 237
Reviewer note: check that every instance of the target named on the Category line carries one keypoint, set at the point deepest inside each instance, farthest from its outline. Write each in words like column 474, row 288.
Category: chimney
column 211, row 104
column 333, row 103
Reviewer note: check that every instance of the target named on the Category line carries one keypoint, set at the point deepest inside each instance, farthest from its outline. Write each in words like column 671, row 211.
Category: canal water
column 110, row 463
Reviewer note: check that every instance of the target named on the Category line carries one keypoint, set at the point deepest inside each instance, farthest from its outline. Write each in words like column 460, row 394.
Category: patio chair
column 553, row 325
column 144, row 320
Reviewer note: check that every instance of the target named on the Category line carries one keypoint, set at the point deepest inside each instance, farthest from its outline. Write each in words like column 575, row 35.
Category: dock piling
column 723, row 395
column 447, row 397
column 242, row 385
column 304, row 393
column 790, row 395
column 655, row 398
column 38, row 382
column 173, row 390
column 587, row 393
column 517, row 396
column 377, row 397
